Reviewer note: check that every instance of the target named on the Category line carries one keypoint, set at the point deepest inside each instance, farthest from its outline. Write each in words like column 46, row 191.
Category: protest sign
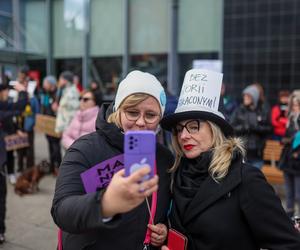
column 16, row 141
column 100, row 175
column 200, row 91
column 46, row 124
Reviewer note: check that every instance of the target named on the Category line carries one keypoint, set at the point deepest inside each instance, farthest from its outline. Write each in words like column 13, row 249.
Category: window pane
column 6, row 36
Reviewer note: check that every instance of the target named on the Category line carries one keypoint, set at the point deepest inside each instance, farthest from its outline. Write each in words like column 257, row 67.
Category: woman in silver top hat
column 219, row 202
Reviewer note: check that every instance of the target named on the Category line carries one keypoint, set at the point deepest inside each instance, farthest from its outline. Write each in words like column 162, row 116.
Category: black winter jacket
column 242, row 212
column 255, row 125
column 290, row 156
column 7, row 110
column 79, row 214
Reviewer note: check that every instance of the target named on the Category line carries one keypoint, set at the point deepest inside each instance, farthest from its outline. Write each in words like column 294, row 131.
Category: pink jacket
column 84, row 122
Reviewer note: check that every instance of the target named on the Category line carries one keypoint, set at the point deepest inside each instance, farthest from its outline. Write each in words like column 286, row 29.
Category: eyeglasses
column 149, row 117
column 85, row 99
column 192, row 127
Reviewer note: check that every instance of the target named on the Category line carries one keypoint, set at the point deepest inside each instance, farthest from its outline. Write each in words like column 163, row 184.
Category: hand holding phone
column 139, row 151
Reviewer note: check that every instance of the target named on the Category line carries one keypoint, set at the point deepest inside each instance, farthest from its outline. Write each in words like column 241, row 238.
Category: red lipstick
column 188, row 147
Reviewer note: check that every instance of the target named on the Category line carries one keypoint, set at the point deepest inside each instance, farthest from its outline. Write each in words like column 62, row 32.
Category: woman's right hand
column 164, row 248
column 125, row 193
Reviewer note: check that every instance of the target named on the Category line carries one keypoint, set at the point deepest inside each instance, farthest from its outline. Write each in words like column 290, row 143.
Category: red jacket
column 278, row 121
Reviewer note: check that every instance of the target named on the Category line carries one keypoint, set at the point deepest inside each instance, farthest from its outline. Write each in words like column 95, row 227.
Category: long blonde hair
column 129, row 102
column 292, row 116
column 223, row 149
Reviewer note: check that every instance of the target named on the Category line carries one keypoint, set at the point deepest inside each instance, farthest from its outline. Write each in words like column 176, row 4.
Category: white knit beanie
column 140, row 82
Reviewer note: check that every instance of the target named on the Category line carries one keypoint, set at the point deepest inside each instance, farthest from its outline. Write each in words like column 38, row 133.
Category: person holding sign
column 47, row 98
column 7, row 109
column 219, row 202
column 114, row 215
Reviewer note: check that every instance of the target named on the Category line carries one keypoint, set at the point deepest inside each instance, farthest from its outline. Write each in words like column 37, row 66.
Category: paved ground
column 28, row 221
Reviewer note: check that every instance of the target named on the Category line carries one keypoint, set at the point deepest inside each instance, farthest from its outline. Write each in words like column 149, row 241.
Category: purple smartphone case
column 139, row 149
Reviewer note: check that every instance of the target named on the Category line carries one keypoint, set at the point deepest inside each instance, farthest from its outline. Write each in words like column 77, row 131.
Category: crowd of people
column 207, row 186
column 74, row 110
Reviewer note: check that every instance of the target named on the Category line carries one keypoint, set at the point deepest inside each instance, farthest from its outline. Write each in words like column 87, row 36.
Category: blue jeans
column 292, row 189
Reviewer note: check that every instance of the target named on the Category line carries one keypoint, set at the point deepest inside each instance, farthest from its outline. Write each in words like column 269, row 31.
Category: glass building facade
column 199, row 33
column 257, row 40
column 262, row 44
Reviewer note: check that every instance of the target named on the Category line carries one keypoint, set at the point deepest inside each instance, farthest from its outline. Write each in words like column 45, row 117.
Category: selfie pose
column 116, row 217
column 219, row 202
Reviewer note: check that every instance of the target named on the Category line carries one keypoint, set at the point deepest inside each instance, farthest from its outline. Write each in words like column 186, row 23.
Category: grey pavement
column 29, row 225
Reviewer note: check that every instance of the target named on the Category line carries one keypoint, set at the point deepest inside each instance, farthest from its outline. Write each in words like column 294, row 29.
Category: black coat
column 8, row 110
column 240, row 213
column 79, row 214
column 255, row 126
column 290, row 157
column 46, row 100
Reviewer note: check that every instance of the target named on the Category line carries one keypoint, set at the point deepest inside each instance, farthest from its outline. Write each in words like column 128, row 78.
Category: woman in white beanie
column 115, row 217
column 219, row 202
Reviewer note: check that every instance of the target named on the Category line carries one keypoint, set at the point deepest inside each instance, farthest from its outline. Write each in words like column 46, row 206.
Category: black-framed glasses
column 149, row 117
column 192, row 127
column 85, row 99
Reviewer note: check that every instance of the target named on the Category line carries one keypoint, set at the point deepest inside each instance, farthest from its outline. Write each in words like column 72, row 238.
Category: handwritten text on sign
column 201, row 88
column 15, row 141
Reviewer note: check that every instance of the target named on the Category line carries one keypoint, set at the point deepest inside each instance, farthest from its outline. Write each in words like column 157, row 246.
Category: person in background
column 229, row 103
column 76, row 81
column 279, row 115
column 9, row 128
column 25, row 125
column 7, row 109
column 84, row 120
column 95, row 87
column 115, row 217
column 219, row 201
column 47, row 99
column 291, row 161
column 23, row 77
column 253, row 123
column 67, row 103
column 262, row 103
column 171, row 104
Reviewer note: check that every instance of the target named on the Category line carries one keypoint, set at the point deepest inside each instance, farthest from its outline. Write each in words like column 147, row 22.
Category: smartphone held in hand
column 139, row 151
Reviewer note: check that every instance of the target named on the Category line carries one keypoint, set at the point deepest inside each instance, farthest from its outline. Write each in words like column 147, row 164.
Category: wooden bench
column 271, row 156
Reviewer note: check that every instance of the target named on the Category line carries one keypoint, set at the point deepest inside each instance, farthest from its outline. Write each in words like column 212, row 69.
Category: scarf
column 188, row 179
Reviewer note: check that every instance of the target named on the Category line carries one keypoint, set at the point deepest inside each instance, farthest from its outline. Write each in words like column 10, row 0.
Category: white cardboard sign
column 200, row 91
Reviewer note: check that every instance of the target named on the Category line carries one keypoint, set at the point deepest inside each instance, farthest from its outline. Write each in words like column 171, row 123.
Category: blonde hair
column 223, row 149
column 294, row 97
column 128, row 102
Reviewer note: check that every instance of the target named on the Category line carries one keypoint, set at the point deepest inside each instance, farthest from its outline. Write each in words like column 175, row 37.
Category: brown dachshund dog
column 27, row 182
